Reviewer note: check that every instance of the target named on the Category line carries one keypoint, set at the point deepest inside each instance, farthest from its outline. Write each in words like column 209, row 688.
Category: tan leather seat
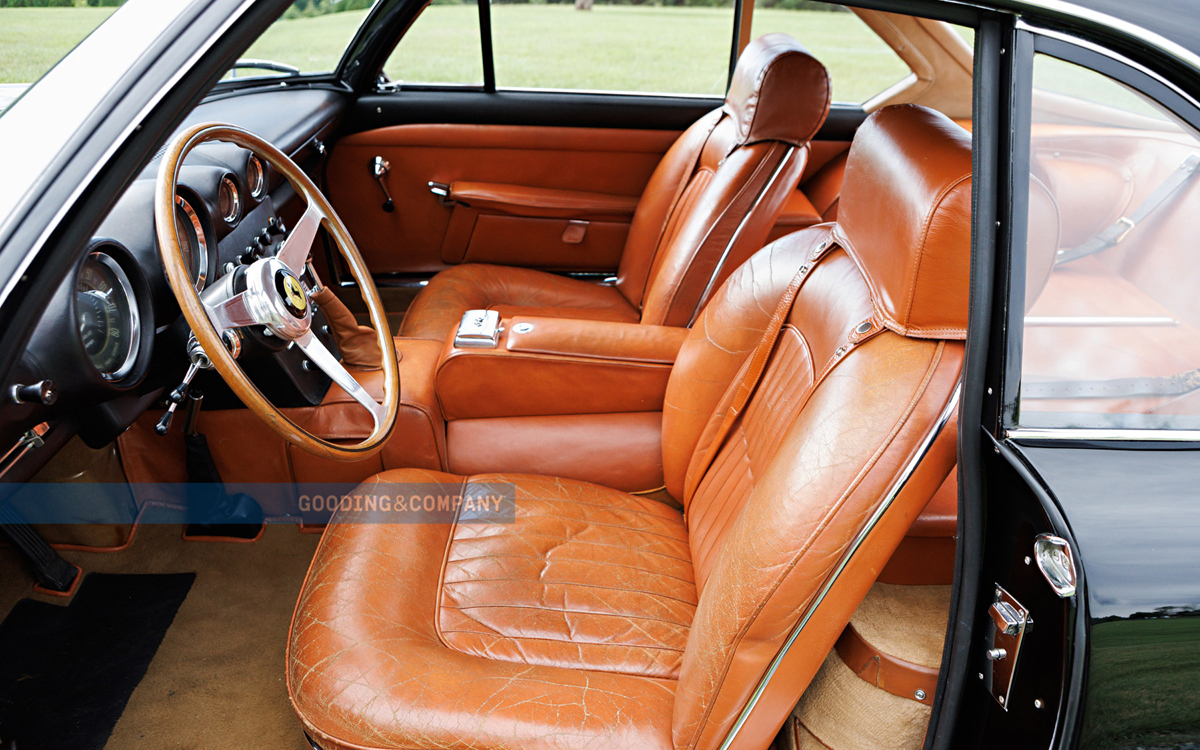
column 708, row 206
column 602, row 619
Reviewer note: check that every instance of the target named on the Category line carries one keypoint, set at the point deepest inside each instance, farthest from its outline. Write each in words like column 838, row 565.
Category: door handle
column 380, row 168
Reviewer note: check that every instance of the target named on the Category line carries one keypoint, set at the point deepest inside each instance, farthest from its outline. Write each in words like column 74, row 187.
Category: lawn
column 32, row 40
column 1145, row 678
column 629, row 48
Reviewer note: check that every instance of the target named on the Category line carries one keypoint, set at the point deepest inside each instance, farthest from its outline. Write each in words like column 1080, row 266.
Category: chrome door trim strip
column 1082, row 43
column 1102, row 433
column 905, row 474
column 1107, row 321
column 1131, row 30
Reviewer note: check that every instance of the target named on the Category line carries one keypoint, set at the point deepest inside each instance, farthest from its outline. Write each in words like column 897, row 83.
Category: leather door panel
column 424, row 235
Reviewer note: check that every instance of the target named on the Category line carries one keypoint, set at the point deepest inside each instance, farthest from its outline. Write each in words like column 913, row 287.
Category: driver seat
column 603, row 619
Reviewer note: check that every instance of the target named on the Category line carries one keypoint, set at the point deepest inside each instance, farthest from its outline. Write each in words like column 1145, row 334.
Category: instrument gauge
column 106, row 315
column 229, row 201
column 256, row 178
column 192, row 243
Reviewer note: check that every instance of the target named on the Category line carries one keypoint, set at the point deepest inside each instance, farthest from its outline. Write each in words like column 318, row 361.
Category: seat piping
column 737, row 233
column 906, row 474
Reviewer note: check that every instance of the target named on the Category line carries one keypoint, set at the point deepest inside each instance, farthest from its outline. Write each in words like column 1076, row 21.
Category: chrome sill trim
column 1102, row 433
column 905, row 474
column 737, row 234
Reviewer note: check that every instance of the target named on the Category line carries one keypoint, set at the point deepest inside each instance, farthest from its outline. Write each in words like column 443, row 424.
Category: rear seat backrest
column 839, row 411
column 752, row 153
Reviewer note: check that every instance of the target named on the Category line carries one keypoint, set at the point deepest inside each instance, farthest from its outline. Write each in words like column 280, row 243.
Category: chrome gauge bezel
column 235, row 212
column 135, row 316
column 256, row 177
column 201, row 242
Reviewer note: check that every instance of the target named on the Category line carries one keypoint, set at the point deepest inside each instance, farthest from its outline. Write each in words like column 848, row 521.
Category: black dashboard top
column 113, row 337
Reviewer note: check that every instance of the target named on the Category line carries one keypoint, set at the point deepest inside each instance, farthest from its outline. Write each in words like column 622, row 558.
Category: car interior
column 711, row 349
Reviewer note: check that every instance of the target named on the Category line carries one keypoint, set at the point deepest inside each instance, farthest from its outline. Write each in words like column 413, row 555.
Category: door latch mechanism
column 1010, row 621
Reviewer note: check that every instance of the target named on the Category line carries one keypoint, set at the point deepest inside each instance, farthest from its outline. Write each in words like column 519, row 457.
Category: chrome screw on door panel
column 1057, row 563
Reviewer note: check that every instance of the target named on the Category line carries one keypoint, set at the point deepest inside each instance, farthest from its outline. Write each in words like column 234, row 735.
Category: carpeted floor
column 217, row 678
column 841, row 711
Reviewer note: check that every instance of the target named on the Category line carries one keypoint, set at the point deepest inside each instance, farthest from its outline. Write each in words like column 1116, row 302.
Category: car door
column 1080, row 562
column 476, row 144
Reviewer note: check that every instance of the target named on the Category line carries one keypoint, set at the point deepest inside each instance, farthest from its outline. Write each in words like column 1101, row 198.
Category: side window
column 675, row 49
column 860, row 63
column 1112, row 309
column 442, row 46
column 309, row 37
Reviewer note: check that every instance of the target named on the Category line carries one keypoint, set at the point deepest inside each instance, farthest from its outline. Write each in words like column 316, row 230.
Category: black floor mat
column 66, row 673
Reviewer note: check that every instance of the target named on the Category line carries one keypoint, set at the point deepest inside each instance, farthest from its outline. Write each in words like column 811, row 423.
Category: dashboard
column 113, row 338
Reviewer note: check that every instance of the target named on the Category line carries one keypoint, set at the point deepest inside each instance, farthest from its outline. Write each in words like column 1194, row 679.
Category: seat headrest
column 779, row 92
column 905, row 217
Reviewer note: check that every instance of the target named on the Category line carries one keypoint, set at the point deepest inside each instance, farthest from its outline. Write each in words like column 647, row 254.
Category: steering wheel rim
column 274, row 297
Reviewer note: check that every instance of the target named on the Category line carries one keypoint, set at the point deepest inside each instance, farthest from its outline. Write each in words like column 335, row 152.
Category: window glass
column 860, row 63
column 442, row 46
column 33, row 39
column 309, row 37
column 1112, row 328
column 678, row 49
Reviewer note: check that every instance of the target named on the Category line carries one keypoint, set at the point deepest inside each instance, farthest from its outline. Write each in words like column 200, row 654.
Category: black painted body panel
column 1135, row 518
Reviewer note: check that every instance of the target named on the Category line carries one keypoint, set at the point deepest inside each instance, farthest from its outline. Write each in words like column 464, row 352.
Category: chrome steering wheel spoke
column 296, row 248
column 324, row 359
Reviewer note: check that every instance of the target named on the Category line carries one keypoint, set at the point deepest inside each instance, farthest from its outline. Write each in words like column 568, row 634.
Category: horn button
column 277, row 299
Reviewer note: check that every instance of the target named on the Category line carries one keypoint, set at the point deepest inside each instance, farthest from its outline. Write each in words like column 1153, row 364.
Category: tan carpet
column 907, row 622
column 217, row 678
column 841, row 711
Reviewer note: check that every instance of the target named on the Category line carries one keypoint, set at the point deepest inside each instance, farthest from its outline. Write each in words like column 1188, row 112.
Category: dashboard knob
column 43, row 392
column 275, row 227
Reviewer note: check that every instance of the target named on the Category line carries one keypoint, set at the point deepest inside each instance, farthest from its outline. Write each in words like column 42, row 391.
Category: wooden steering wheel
column 274, row 297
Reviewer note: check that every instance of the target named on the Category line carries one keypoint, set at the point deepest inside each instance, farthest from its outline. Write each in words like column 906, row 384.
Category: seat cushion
column 439, row 307
column 565, row 628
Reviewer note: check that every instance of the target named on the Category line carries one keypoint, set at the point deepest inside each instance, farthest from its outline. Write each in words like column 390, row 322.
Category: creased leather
column 779, row 92
column 596, row 339
column 808, row 465
column 437, row 310
column 367, row 667
column 587, row 578
column 908, row 184
column 622, row 451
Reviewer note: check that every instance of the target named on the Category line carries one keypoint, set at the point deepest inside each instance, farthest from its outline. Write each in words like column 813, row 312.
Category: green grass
column 32, row 40
column 1145, row 678
column 622, row 48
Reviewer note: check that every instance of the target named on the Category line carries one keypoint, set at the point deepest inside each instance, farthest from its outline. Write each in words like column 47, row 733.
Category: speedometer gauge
column 107, row 316
column 192, row 243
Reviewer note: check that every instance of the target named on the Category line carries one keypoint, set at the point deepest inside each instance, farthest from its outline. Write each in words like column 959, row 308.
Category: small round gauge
column 256, row 178
column 229, row 201
column 107, row 316
column 192, row 243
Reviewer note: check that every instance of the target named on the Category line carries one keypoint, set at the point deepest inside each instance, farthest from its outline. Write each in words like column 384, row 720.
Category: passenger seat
column 708, row 207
